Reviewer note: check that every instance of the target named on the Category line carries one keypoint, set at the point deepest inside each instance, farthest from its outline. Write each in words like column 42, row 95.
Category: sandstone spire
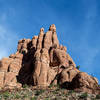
column 40, row 39
column 52, row 28
column 43, row 61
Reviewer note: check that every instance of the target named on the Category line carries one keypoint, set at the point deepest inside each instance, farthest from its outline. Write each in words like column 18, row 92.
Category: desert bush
column 51, row 85
column 33, row 98
column 98, row 96
column 71, row 91
column 78, row 67
column 6, row 95
column 47, row 99
column 25, row 86
column 84, row 95
column 17, row 96
column 38, row 92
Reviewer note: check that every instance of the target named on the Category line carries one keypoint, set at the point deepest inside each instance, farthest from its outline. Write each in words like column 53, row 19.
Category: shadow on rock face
column 82, row 82
column 26, row 71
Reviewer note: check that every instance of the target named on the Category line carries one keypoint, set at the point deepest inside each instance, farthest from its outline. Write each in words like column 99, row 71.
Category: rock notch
column 42, row 61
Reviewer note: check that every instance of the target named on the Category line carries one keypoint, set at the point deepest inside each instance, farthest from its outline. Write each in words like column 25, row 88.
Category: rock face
column 85, row 82
column 43, row 61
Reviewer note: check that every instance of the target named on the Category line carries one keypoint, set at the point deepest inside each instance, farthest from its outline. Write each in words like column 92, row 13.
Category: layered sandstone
column 42, row 61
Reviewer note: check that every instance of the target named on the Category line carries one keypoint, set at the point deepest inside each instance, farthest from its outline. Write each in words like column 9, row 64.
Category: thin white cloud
column 8, row 38
column 7, row 41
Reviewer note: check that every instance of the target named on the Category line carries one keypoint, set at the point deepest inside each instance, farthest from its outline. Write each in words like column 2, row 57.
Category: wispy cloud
column 82, row 45
column 8, row 39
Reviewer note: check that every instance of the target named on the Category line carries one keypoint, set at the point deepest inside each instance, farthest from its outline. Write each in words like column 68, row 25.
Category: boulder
column 68, row 74
column 84, row 82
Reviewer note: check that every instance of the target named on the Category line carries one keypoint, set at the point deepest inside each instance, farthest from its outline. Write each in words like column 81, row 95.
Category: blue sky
column 77, row 23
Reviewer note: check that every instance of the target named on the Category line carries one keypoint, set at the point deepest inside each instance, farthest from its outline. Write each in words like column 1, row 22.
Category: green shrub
column 78, row 67
column 33, row 98
column 25, row 96
column 38, row 92
column 71, row 91
column 50, row 86
column 55, row 92
column 17, row 96
column 56, row 86
column 25, row 86
column 84, row 95
column 0, row 97
column 93, row 99
column 47, row 99
column 99, row 85
column 6, row 95
column 98, row 96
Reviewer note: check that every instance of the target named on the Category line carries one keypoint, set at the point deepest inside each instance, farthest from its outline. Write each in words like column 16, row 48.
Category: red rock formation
column 40, row 62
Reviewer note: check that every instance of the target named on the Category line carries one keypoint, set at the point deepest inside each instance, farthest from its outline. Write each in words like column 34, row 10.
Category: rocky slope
column 30, row 93
column 42, row 61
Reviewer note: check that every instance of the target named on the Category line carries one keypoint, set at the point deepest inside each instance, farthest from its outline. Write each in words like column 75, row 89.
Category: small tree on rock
column 78, row 67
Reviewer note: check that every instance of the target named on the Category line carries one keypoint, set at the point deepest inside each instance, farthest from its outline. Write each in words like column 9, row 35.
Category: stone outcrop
column 9, row 69
column 84, row 82
column 42, row 61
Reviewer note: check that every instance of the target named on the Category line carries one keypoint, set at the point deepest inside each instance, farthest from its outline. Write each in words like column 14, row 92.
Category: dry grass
column 51, row 93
